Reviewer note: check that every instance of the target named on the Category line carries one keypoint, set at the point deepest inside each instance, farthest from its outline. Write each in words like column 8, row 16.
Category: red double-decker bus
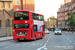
column 28, row 25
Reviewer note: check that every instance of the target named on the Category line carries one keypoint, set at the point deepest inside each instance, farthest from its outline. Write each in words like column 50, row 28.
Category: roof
column 51, row 18
column 64, row 5
column 11, row 12
column 28, row 10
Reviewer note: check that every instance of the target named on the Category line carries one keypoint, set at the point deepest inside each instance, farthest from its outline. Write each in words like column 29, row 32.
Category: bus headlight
column 13, row 30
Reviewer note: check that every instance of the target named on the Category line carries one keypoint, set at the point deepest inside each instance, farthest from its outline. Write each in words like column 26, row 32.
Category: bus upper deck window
column 21, row 16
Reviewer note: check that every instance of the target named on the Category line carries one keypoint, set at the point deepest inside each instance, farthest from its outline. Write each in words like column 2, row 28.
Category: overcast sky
column 47, row 7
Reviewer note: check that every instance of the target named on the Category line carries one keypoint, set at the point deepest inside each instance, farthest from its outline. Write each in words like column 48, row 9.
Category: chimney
column 67, row 1
column 62, row 4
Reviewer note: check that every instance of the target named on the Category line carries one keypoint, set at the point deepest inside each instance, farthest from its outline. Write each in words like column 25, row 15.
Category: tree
column 71, row 20
column 68, row 14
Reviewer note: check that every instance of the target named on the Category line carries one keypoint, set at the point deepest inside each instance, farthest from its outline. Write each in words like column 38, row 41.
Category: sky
column 47, row 7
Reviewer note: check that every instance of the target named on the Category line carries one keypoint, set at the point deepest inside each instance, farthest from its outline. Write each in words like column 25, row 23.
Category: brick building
column 24, row 4
column 62, row 13
column 6, row 13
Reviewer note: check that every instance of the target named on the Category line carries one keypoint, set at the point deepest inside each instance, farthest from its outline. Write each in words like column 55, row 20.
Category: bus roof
column 28, row 11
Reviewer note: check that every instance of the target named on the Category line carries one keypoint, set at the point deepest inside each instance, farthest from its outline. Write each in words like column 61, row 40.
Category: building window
column 2, row 5
column 58, row 18
column 35, row 28
column 65, row 13
column 58, row 26
column 0, row 23
column 58, row 22
column 17, row 2
column 17, row 9
column 66, row 18
column 7, row 23
column 9, row 4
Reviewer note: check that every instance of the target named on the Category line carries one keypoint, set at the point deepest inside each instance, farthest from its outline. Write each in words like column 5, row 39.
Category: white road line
column 68, row 39
column 24, row 44
column 44, row 44
column 16, row 45
column 38, row 43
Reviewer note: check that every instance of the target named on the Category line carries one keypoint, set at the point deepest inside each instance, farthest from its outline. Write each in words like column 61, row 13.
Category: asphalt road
column 66, row 41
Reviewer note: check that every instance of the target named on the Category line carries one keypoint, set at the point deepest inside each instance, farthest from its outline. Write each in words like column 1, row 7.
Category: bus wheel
column 42, row 36
column 34, row 38
column 18, row 40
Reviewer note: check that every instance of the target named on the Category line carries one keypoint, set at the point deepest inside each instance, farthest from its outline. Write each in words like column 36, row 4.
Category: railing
column 6, row 31
column 2, row 31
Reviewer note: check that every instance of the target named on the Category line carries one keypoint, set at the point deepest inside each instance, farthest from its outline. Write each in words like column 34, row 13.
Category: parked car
column 57, row 31
column 46, row 31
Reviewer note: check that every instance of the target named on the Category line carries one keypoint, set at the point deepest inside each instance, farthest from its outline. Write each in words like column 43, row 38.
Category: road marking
column 16, row 45
column 45, row 48
column 44, row 44
column 68, row 39
column 38, row 43
column 25, row 44
column 3, row 44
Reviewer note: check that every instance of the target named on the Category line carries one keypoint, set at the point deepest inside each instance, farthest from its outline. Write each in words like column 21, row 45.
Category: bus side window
column 43, row 28
column 34, row 28
column 32, row 15
column 35, row 16
column 42, row 18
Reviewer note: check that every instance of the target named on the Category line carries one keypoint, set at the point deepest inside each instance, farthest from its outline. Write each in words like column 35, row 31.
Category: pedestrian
column 68, row 29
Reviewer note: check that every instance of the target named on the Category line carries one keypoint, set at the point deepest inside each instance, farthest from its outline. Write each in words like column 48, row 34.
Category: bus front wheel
column 42, row 36
column 34, row 38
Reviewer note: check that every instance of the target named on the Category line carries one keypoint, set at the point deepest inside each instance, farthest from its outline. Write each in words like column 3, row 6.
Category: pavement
column 6, row 38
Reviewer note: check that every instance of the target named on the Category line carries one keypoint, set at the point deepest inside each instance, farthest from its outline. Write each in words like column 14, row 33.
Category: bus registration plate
column 21, row 38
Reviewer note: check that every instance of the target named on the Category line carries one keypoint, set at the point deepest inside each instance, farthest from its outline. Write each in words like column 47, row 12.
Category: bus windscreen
column 18, row 26
column 21, row 16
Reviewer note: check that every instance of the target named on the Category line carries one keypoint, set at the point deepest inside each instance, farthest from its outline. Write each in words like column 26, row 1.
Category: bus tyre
column 42, row 36
column 34, row 38
column 18, row 40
